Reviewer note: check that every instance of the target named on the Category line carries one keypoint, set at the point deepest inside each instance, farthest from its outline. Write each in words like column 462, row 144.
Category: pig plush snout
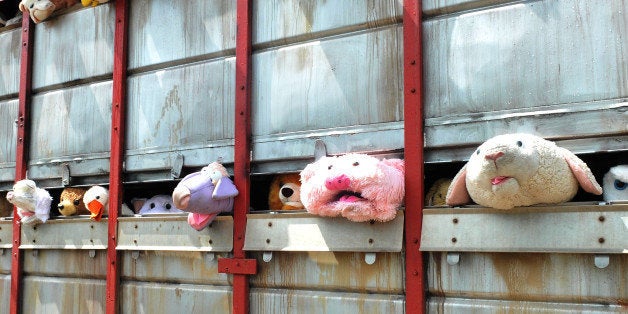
column 341, row 182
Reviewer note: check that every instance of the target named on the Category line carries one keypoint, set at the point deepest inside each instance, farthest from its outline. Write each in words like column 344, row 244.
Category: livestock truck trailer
column 133, row 95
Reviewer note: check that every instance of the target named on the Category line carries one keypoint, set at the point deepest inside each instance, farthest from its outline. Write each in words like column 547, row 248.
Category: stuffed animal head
column 6, row 208
column 437, row 193
column 96, row 199
column 33, row 203
column 158, row 204
column 285, row 192
column 520, row 170
column 93, row 3
column 71, row 202
column 205, row 194
column 615, row 184
column 356, row 186
column 40, row 10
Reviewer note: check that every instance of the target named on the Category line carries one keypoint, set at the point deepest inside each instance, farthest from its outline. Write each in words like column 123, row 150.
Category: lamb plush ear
column 21, row 6
column 582, row 173
column 457, row 193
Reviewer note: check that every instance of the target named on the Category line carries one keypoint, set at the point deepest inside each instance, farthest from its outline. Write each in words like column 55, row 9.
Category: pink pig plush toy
column 356, row 186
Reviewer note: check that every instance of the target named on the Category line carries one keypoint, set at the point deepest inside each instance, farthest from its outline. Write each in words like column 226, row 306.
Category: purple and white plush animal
column 158, row 204
column 33, row 203
column 520, row 170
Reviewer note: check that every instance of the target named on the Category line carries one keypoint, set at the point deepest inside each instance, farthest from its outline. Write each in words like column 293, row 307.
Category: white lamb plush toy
column 520, row 170
column 33, row 203
column 615, row 182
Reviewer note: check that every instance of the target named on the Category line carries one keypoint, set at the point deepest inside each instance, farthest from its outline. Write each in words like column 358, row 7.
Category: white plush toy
column 615, row 184
column 33, row 203
column 520, row 170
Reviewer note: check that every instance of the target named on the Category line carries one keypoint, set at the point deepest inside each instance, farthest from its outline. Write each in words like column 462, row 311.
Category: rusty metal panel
column 170, row 266
column 461, row 305
column 527, row 67
column 5, row 293
column 566, row 228
column 331, row 271
column 186, row 111
column 71, row 126
column 8, row 141
column 305, row 232
column 281, row 22
column 75, row 46
column 196, row 29
column 346, row 90
column 432, row 7
column 6, row 233
column 290, row 301
column 76, row 233
column 66, row 263
column 10, row 62
column 570, row 278
column 172, row 233
column 174, row 298
column 63, row 295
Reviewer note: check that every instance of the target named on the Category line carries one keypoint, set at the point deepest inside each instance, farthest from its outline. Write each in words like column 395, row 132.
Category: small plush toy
column 40, row 10
column 33, row 203
column 71, row 202
column 92, row 3
column 205, row 194
column 285, row 192
column 437, row 193
column 615, row 182
column 356, row 186
column 158, row 204
column 96, row 200
column 6, row 208
column 520, row 170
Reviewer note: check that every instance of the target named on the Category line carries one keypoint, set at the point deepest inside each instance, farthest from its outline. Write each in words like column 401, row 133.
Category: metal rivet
column 602, row 218
column 601, row 240
column 413, row 90
column 455, row 220
column 454, row 240
column 371, row 241
column 267, row 240
column 270, row 224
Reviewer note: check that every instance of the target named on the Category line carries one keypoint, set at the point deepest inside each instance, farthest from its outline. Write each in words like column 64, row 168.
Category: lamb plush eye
column 619, row 185
column 356, row 163
column 519, row 143
column 32, row 5
column 76, row 202
column 477, row 152
column 329, row 168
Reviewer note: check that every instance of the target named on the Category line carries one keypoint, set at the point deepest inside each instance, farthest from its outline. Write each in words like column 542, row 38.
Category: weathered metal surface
column 331, row 271
column 290, row 301
column 569, row 278
column 432, row 7
column 196, row 29
column 71, row 126
column 527, row 67
column 8, row 140
column 174, row 298
column 185, row 110
column 63, row 295
column 305, row 232
column 79, row 233
column 566, row 228
column 171, row 266
column 6, row 234
column 461, row 305
column 283, row 22
column 10, row 62
column 75, row 47
column 345, row 90
column 5, row 293
column 65, row 263
column 173, row 233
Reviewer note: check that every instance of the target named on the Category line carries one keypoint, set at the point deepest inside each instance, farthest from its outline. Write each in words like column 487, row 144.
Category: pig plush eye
column 356, row 163
column 329, row 168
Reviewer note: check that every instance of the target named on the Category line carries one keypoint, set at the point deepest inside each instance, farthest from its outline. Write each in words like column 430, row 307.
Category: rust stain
column 172, row 102
column 522, row 273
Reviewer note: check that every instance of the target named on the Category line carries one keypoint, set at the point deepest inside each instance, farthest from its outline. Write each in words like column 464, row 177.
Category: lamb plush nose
column 494, row 156
column 341, row 182
column 287, row 192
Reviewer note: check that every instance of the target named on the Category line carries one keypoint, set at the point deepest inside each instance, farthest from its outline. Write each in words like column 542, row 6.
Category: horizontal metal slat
column 566, row 228
column 6, row 234
column 70, row 233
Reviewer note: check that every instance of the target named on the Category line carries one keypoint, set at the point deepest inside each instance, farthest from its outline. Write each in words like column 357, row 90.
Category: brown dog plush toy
column 71, row 202
column 285, row 192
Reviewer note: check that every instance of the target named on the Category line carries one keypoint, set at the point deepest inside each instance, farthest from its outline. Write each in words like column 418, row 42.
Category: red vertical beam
column 21, row 158
column 242, row 158
column 118, row 117
column 413, row 153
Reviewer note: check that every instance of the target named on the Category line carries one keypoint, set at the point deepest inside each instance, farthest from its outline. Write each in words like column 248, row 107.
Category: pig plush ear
column 457, row 194
column 395, row 163
column 581, row 171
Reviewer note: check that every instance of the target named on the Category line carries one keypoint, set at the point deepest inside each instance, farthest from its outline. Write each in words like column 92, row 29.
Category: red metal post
column 242, row 158
column 413, row 154
column 118, row 117
column 21, row 158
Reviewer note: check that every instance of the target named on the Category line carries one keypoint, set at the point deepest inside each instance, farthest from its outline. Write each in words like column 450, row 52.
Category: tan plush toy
column 71, row 202
column 437, row 193
column 40, row 10
column 285, row 192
